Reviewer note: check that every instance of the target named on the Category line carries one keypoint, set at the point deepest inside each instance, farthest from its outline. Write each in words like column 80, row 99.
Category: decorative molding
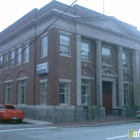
column 22, row 78
column 87, row 77
column 44, row 34
column 65, row 80
column 109, row 73
column 64, row 32
column 26, row 42
column 8, row 81
column 43, row 80
column 106, row 36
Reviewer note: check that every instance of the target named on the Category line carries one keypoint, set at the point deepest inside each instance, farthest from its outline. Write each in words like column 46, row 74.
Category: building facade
column 84, row 58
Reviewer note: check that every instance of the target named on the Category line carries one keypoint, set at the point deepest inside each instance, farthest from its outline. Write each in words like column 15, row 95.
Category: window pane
column 125, row 59
column 44, row 46
column 106, row 56
column 12, row 55
column 19, row 56
column 62, row 99
column 64, row 89
column 64, row 44
column 8, row 92
column 85, row 91
column 1, row 62
column 26, row 53
column 84, row 51
column 43, row 90
column 21, row 91
column 126, row 95
column 6, row 61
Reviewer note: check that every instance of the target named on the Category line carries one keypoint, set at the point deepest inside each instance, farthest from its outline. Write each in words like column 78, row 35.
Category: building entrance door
column 107, row 96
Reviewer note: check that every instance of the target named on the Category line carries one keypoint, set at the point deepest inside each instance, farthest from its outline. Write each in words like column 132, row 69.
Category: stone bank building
column 84, row 58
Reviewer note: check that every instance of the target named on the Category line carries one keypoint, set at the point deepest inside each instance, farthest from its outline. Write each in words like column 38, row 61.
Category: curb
column 101, row 124
column 95, row 125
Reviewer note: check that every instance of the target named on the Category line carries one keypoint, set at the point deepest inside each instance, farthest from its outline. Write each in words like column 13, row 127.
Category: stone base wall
column 54, row 113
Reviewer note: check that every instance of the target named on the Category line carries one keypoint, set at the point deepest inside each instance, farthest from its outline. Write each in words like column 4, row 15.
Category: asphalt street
column 25, row 131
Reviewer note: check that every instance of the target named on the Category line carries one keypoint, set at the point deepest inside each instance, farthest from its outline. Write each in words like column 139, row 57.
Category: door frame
column 113, row 81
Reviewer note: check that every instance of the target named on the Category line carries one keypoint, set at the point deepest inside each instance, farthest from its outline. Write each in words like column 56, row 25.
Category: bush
column 91, row 111
column 131, row 110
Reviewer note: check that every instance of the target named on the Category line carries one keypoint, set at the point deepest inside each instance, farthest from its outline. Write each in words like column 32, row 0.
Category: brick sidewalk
column 97, row 122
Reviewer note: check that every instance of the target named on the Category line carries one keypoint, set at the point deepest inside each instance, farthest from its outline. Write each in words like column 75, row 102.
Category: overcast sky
column 124, row 10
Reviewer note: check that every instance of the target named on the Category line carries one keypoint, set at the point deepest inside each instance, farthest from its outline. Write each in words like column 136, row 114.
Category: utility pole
column 103, row 7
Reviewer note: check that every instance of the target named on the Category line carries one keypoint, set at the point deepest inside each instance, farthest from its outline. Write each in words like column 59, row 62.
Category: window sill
column 18, row 64
column 64, row 105
column 21, row 104
column 43, row 57
column 43, row 104
column 25, row 62
column 85, row 61
column 65, row 55
column 11, row 67
column 107, row 65
column 126, row 68
column 82, row 105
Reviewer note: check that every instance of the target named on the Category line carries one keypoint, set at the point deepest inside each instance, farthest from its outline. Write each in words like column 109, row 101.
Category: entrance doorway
column 107, row 96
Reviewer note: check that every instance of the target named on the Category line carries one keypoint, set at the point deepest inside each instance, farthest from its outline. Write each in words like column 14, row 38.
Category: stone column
column 114, row 94
column 136, row 81
column 120, row 77
column 78, row 69
column 99, row 73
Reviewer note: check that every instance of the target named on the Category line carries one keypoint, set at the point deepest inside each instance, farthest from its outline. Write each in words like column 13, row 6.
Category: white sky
column 124, row 10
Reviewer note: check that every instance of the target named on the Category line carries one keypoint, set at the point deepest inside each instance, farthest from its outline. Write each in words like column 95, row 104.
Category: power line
column 38, row 36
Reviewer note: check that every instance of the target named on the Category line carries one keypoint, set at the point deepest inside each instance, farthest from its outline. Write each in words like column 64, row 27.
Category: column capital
column 98, row 42
column 136, row 53
column 120, row 48
column 78, row 37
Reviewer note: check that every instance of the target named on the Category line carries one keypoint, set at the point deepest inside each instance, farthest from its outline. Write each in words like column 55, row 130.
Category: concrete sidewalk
column 97, row 122
column 37, row 122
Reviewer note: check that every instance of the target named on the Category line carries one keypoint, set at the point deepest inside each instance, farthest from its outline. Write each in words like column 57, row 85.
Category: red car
column 9, row 113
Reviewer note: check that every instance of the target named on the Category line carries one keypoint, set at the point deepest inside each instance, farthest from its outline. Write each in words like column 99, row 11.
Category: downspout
column 75, row 114
column 34, row 83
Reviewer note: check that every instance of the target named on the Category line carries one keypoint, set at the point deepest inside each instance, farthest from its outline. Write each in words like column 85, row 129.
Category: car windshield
column 9, row 107
column 2, row 107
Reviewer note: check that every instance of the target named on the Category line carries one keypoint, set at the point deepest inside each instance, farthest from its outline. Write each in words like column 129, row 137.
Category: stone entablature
column 107, row 36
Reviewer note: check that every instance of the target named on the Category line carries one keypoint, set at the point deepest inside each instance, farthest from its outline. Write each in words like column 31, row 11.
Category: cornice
column 35, row 21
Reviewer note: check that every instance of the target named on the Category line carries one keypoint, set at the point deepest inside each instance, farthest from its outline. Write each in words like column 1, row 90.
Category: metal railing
column 112, row 112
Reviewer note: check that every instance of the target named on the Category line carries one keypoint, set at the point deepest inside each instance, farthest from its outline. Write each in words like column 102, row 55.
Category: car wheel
column 19, row 121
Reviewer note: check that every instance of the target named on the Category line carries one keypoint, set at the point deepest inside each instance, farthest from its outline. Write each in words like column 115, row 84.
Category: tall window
column 106, row 56
column 85, row 51
column 8, row 92
column 6, row 61
column 126, row 95
column 19, row 56
column 12, row 55
column 1, row 62
column 26, row 53
column 21, row 91
column 43, row 93
column 64, row 44
column 125, row 60
column 64, row 93
column 44, row 46
column 85, row 91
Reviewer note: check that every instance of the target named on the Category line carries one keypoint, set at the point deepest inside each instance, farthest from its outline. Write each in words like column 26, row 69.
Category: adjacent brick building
column 84, row 58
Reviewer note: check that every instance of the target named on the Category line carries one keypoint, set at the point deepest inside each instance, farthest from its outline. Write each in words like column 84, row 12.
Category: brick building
column 85, row 58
